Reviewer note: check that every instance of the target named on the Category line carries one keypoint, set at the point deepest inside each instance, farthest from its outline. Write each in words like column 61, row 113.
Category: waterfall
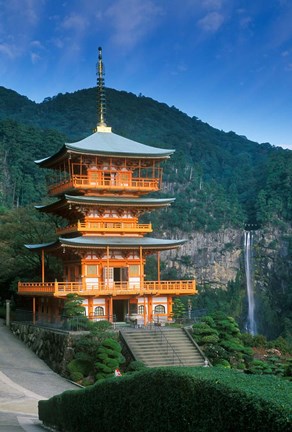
column 251, row 323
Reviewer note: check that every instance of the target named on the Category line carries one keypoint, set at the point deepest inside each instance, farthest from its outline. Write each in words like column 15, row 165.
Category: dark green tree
column 109, row 358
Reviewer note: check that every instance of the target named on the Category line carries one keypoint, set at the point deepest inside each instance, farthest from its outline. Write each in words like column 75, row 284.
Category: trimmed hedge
column 174, row 399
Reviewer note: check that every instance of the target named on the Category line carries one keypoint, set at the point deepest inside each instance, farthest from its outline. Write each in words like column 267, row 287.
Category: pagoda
column 100, row 184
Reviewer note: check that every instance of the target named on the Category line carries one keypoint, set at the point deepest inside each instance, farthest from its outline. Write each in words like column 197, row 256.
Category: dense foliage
column 97, row 354
column 109, row 358
column 225, row 346
column 20, row 226
column 220, row 337
column 173, row 399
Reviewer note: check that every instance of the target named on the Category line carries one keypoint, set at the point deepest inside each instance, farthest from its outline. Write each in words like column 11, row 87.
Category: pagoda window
column 108, row 274
column 91, row 270
column 94, row 176
column 141, row 309
column 134, row 270
column 99, row 310
column 125, row 178
column 159, row 309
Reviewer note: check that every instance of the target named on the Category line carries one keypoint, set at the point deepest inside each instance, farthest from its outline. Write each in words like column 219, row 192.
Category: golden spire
column 101, row 100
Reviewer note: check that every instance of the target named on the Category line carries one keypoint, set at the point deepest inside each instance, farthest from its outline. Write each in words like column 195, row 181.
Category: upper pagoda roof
column 106, row 143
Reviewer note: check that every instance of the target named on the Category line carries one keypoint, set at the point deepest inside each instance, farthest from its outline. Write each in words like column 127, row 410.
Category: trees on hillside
column 18, row 227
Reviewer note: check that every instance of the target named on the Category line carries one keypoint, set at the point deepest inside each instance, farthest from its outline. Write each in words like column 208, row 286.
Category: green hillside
column 218, row 178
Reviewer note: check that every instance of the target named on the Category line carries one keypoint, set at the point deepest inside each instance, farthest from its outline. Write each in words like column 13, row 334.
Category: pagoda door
column 121, row 276
column 116, row 277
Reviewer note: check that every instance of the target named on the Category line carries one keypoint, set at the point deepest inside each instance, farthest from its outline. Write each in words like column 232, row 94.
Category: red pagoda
column 100, row 184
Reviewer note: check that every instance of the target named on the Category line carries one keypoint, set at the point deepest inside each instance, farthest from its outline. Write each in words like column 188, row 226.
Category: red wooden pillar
column 90, row 307
column 43, row 266
column 33, row 310
column 110, row 309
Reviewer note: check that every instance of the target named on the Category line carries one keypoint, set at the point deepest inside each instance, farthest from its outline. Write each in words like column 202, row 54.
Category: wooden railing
column 84, row 182
column 116, row 227
column 61, row 289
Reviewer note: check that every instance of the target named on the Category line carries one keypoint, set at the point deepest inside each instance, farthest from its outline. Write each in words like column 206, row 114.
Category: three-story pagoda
column 100, row 185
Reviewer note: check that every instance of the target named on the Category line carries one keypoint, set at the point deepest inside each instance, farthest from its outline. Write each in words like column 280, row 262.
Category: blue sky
column 227, row 62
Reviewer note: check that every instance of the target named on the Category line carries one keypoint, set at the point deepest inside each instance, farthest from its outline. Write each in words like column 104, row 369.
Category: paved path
column 24, row 380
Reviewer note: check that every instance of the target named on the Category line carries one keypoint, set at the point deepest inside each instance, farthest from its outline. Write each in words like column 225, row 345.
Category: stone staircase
column 163, row 347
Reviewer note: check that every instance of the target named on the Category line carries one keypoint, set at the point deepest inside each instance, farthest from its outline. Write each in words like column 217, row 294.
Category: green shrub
column 87, row 382
column 135, row 366
column 76, row 376
column 109, row 358
column 208, row 320
column 83, row 367
column 221, row 363
column 288, row 368
column 281, row 344
column 259, row 367
column 213, row 339
column 102, row 325
column 215, row 351
column 173, row 399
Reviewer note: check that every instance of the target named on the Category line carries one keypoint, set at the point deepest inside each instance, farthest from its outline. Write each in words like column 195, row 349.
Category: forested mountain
column 219, row 178
column 221, row 182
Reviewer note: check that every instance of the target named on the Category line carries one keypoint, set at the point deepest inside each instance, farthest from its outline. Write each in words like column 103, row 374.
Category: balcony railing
column 115, row 185
column 106, row 227
column 61, row 289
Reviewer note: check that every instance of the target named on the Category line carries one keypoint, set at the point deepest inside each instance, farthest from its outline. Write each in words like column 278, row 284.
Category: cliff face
column 216, row 257
column 212, row 258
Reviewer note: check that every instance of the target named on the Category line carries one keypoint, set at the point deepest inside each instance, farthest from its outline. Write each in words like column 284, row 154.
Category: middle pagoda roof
column 143, row 203
column 106, row 143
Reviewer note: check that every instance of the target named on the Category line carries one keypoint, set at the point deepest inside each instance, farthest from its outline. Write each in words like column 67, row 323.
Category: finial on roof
column 101, row 100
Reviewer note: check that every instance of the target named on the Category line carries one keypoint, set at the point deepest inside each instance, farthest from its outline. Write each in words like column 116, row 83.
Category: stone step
column 163, row 348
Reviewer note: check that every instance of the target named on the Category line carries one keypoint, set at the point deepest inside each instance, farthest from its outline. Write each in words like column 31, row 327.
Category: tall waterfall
column 248, row 260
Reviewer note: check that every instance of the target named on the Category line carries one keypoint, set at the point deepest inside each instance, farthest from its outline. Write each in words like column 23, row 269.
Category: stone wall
column 55, row 348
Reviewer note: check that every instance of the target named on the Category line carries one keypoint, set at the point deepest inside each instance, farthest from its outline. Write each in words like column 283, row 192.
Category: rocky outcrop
column 213, row 258
column 55, row 348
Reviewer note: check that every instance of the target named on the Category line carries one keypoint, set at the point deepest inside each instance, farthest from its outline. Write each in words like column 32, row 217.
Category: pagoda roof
column 97, row 242
column 107, row 144
column 105, row 201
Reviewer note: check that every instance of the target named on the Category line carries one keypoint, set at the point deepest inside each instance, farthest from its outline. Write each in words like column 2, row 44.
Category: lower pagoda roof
column 95, row 242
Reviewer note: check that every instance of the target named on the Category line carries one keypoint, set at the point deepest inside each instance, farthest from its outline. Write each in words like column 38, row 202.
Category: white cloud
column 35, row 58
column 285, row 53
column 10, row 51
column 75, row 22
column 212, row 4
column 211, row 22
column 244, row 22
column 58, row 42
column 36, row 44
column 26, row 12
column 131, row 21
